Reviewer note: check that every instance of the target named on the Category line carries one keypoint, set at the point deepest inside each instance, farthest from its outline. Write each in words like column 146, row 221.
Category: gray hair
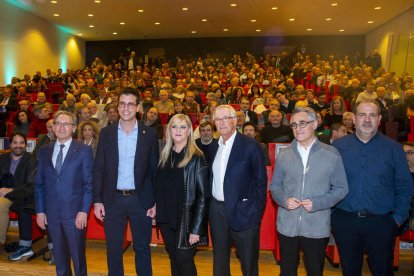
column 311, row 113
column 231, row 110
column 67, row 113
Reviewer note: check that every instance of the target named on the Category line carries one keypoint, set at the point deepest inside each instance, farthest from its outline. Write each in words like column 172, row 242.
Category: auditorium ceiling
column 96, row 20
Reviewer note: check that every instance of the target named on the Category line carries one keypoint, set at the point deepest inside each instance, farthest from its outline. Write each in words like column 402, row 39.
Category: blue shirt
column 127, row 145
column 379, row 180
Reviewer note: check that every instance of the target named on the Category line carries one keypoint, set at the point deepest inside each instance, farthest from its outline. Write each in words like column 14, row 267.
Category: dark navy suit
column 244, row 188
column 120, row 208
column 61, row 196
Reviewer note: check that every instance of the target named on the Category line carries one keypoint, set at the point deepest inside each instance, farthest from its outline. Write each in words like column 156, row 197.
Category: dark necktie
column 59, row 159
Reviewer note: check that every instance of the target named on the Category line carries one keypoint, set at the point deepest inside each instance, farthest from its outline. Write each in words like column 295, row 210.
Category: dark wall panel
column 226, row 46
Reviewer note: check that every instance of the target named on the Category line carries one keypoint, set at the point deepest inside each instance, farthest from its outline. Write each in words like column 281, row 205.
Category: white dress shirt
column 220, row 166
column 56, row 150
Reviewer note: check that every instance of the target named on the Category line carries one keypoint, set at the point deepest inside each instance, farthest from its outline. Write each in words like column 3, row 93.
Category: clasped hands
column 293, row 203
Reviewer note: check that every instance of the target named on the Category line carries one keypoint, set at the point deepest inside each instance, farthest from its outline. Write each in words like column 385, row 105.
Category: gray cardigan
column 323, row 182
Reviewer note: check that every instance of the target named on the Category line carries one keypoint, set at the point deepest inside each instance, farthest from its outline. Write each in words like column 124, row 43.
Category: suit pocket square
column 244, row 199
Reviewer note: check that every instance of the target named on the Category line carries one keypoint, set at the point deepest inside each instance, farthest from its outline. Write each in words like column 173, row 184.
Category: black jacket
column 197, row 193
column 22, row 182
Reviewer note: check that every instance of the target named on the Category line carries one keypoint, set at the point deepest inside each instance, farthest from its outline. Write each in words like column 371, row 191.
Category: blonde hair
column 191, row 147
column 94, row 127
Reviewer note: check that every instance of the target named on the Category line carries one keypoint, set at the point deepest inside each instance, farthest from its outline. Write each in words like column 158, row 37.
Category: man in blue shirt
column 380, row 190
column 123, row 185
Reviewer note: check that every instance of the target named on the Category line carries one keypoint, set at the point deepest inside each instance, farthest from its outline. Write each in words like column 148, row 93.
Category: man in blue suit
column 239, row 183
column 123, row 185
column 63, row 194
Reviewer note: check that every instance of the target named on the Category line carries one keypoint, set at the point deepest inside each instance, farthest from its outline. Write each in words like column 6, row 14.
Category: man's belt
column 125, row 192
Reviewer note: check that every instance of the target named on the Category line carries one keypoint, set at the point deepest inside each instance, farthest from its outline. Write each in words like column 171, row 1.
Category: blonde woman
column 88, row 133
column 182, row 196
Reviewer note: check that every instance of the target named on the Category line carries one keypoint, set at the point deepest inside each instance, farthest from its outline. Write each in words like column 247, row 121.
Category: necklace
column 172, row 161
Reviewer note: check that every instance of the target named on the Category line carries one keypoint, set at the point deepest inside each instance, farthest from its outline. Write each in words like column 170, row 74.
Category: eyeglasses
column 409, row 153
column 64, row 124
column 224, row 119
column 182, row 127
column 129, row 105
column 301, row 124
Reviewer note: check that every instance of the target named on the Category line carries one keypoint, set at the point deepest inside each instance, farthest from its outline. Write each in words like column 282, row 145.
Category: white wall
column 383, row 37
column 29, row 43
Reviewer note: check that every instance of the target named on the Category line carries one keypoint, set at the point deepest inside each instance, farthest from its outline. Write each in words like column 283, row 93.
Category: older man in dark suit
column 63, row 194
column 238, row 183
column 123, row 185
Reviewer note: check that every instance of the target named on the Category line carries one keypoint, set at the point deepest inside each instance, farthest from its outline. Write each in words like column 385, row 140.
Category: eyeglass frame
column 302, row 124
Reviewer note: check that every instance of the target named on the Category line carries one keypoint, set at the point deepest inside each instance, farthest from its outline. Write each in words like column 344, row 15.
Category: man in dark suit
column 8, row 103
column 251, row 116
column 63, row 194
column 238, row 181
column 123, row 185
column 17, row 172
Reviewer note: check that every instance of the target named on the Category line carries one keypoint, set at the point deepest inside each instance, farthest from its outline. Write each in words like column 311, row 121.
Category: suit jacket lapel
column 233, row 153
column 140, row 140
column 72, row 150
column 49, row 153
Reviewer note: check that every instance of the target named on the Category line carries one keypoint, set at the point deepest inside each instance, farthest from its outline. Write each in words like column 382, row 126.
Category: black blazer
column 245, row 183
column 22, row 182
column 12, row 104
column 105, row 173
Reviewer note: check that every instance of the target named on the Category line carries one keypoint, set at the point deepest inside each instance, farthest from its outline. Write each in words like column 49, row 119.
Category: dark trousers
column 313, row 249
column 25, row 225
column 246, row 243
column 181, row 260
column 68, row 242
column 117, row 214
column 373, row 234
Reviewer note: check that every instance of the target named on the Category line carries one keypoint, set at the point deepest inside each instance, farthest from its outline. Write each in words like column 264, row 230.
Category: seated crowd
column 263, row 91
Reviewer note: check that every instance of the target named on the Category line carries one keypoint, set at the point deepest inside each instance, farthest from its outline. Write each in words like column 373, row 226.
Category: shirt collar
column 135, row 126
column 229, row 141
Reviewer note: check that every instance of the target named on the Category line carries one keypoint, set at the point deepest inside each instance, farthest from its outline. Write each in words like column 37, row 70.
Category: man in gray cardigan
column 308, row 180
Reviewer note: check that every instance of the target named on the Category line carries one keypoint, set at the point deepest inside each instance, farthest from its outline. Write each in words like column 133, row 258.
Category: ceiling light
column 291, row 19
column 140, row 10
column 98, row 1
column 80, row 34
column 193, row 32
column 56, row 14
column 122, row 23
column 114, row 33
column 274, row 8
column 185, row 9
column 204, row 20
column 91, row 26
column 258, row 30
column 334, row 4
column 225, row 30
column 253, row 20
column 233, row 5
column 377, row 8
column 53, row 2
column 342, row 30
column 370, row 22
column 157, row 23
column 90, row 15
column 309, row 29
column 328, row 19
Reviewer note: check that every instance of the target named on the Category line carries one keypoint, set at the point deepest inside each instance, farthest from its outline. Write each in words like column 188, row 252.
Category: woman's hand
column 194, row 239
